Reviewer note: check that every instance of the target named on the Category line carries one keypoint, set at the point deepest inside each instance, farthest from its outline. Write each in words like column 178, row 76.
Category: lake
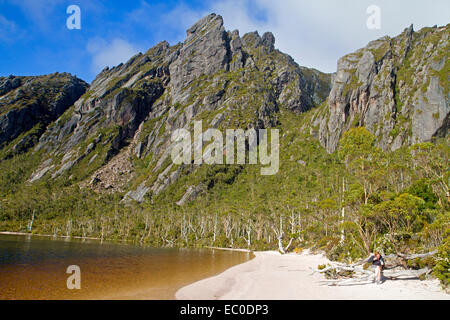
column 34, row 267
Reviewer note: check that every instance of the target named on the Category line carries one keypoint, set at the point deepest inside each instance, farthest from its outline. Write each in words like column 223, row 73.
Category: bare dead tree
column 249, row 233
column 30, row 228
column 228, row 226
column 280, row 234
column 215, row 229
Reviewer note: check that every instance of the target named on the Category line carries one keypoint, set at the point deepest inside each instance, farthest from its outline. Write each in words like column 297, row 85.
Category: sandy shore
column 272, row 276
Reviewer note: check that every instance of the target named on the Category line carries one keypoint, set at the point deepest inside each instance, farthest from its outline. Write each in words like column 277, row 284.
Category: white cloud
column 163, row 23
column 181, row 16
column 8, row 30
column 317, row 33
column 109, row 53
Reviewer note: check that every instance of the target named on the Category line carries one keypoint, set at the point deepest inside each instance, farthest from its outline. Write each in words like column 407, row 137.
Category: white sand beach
column 272, row 276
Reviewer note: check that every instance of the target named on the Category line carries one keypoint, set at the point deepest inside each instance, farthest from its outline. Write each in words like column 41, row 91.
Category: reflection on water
column 35, row 268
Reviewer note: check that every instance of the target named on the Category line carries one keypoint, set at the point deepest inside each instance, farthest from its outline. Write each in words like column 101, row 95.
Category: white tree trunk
column 31, row 223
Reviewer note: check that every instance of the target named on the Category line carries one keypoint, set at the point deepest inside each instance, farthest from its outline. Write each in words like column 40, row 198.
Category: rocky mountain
column 29, row 104
column 128, row 114
column 398, row 88
column 114, row 137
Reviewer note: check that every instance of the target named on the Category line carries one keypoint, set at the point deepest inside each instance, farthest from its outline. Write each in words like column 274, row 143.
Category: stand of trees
column 347, row 204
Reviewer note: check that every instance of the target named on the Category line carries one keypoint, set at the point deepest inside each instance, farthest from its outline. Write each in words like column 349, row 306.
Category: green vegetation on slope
column 395, row 202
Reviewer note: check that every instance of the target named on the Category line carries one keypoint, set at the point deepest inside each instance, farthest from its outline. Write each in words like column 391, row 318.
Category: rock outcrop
column 28, row 103
column 396, row 87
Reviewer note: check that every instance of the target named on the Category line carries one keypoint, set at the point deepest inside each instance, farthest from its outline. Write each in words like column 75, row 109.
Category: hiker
column 378, row 262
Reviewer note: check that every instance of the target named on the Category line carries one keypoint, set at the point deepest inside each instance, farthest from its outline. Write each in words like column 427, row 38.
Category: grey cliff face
column 204, row 52
column 397, row 88
column 34, row 102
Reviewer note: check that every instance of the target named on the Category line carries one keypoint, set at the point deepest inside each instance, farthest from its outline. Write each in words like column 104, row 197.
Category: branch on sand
column 361, row 272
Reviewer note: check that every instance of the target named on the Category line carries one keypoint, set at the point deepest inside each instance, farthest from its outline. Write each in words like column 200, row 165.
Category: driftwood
column 356, row 274
column 412, row 256
column 349, row 282
column 397, row 274
column 401, row 260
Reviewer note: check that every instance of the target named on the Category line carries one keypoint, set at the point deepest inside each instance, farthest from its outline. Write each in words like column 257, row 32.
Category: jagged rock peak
column 158, row 49
column 210, row 22
column 395, row 87
column 252, row 39
column 410, row 30
column 268, row 40
column 204, row 52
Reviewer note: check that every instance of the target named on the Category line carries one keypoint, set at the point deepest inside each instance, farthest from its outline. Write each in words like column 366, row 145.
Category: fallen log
column 401, row 260
column 396, row 274
column 364, row 275
column 415, row 256
column 369, row 278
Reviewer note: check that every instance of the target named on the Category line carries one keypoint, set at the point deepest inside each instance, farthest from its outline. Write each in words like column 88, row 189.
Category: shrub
column 442, row 268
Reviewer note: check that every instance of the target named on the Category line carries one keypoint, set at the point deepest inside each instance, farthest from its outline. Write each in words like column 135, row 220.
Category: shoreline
column 272, row 276
column 10, row 233
column 230, row 249
column 13, row 233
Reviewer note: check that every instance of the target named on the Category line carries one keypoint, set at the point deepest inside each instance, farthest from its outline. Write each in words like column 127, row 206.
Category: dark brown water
column 35, row 268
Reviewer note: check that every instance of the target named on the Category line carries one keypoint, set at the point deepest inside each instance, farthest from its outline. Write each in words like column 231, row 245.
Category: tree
column 361, row 220
column 433, row 161
column 327, row 209
column 424, row 191
column 362, row 159
column 398, row 169
column 398, row 214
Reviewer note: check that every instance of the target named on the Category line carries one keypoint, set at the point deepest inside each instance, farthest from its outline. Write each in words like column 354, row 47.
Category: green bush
column 442, row 268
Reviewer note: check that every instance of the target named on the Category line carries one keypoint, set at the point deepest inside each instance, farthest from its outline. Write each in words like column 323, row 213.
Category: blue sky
column 34, row 38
